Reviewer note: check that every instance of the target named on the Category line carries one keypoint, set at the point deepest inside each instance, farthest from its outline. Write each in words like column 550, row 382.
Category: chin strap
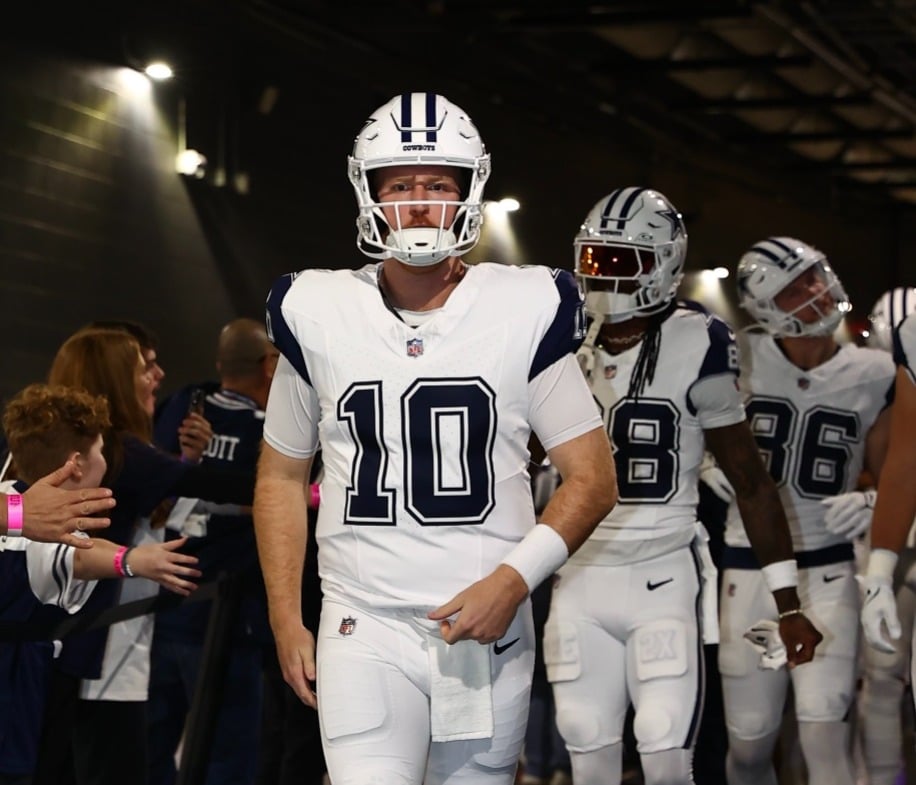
column 586, row 353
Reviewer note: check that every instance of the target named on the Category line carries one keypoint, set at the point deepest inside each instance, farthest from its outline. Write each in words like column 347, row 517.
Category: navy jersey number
column 448, row 428
column 825, row 445
column 645, row 436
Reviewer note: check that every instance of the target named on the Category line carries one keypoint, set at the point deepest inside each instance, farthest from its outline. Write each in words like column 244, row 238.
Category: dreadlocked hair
column 644, row 370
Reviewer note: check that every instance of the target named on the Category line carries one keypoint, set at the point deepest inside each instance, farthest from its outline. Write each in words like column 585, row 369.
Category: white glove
column 879, row 606
column 849, row 514
column 714, row 477
column 764, row 637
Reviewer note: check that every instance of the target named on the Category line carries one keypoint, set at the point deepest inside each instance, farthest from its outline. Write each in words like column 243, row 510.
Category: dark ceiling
column 826, row 87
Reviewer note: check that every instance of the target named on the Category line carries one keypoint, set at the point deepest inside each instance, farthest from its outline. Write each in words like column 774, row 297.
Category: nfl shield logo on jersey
column 803, row 383
column 610, row 371
column 347, row 625
column 415, row 347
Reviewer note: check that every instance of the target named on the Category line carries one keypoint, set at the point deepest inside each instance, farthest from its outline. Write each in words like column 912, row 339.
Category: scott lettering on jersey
column 279, row 331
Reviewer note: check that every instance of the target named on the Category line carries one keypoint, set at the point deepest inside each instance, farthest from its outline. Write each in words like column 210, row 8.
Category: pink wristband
column 14, row 515
column 119, row 561
column 314, row 495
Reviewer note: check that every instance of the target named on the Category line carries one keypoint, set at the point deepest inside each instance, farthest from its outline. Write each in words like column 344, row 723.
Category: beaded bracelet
column 128, row 572
column 793, row 612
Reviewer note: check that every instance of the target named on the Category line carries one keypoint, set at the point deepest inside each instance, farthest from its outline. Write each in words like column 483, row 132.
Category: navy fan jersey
column 229, row 546
column 423, row 430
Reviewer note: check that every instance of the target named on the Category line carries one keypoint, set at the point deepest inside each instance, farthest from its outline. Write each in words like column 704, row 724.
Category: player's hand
column 51, row 514
column 764, row 638
column 849, row 514
column 194, row 435
column 715, row 478
column 485, row 609
column 296, row 653
column 159, row 562
column 879, row 606
column 800, row 637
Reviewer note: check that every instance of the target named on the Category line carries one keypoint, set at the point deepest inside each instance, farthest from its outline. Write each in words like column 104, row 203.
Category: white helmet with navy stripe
column 891, row 308
column 629, row 254
column 769, row 267
column 421, row 129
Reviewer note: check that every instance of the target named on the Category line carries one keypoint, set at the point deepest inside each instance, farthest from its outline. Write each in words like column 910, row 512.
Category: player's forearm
column 280, row 522
column 895, row 507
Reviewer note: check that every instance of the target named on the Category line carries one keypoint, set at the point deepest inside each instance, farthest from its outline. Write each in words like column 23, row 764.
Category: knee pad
column 822, row 706
column 749, row 726
column 651, row 724
column 580, row 727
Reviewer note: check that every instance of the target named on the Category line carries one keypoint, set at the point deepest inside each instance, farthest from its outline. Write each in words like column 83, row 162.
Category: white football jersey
column 423, row 430
column 905, row 345
column 811, row 428
column 658, row 437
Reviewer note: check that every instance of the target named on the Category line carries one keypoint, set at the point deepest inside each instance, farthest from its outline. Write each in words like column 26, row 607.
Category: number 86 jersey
column 424, row 429
column 811, row 428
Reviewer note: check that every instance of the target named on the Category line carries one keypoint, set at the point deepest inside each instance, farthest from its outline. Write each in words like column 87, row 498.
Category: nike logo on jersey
column 653, row 586
column 832, row 578
column 497, row 649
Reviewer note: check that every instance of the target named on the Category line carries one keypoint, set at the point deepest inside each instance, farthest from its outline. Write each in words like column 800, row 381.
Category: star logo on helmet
column 674, row 218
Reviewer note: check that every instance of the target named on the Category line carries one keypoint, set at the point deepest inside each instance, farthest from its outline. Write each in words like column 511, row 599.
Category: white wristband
column 780, row 575
column 881, row 563
column 538, row 556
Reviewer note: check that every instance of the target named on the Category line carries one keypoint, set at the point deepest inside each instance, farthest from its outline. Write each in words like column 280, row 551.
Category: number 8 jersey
column 658, row 436
column 424, row 429
column 811, row 428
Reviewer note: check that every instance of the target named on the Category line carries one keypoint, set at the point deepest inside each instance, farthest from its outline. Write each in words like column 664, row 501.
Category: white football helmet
column 891, row 308
column 769, row 267
column 421, row 129
column 629, row 254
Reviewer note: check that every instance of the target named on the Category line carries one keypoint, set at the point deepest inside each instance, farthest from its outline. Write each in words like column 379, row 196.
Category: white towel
column 710, row 588
column 460, row 690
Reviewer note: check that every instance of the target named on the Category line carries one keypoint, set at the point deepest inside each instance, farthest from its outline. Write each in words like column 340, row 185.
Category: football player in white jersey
column 895, row 507
column 886, row 671
column 423, row 379
column 627, row 611
column 819, row 415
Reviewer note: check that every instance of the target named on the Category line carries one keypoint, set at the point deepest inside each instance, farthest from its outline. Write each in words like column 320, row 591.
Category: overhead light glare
column 720, row 272
column 159, row 71
column 509, row 204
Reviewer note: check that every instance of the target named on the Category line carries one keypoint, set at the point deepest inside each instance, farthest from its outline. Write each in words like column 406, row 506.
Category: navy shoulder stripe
column 278, row 330
column 722, row 354
column 567, row 331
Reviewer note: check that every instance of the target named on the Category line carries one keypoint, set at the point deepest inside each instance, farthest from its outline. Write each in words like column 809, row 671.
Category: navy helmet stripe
column 629, row 195
column 625, row 212
column 764, row 251
column 430, row 117
column 611, row 200
column 891, row 316
column 405, row 116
